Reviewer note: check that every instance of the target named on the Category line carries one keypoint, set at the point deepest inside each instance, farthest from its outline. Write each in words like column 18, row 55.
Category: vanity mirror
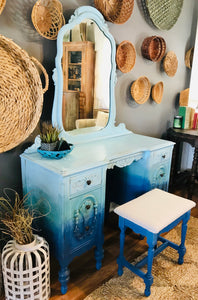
column 84, row 77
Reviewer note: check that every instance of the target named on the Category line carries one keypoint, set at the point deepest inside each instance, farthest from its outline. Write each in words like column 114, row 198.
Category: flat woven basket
column 153, row 48
column 115, row 11
column 140, row 90
column 21, row 94
column 125, row 56
column 2, row 5
column 47, row 17
column 170, row 64
column 157, row 92
column 189, row 58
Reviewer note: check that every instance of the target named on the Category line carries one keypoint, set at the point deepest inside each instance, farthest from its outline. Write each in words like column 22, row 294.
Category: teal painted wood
column 153, row 250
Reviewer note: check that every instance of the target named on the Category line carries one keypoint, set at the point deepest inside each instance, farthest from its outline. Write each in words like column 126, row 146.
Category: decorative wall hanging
column 170, row 64
column 2, row 5
column 164, row 13
column 125, row 56
column 115, row 11
column 189, row 58
column 157, row 92
column 153, row 48
column 140, row 89
column 47, row 17
column 21, row 94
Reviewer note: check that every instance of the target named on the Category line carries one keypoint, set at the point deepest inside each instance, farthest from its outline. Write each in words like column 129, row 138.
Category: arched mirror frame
column 80, row 14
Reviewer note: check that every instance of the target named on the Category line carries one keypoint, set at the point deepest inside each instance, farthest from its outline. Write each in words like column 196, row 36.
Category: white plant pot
column 26, row 270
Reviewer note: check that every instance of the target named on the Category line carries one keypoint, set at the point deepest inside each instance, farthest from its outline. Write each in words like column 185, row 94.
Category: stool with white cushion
column 150, row 215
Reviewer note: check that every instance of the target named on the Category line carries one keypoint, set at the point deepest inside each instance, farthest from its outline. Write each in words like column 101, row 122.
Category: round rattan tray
column 153, row 48
column 2, row 5
column 157, row 92
column 21, row 94
column 125, row 56
column 164, row 13
column 115, row 11
column 47, row 17
column 170, row 64
column 189, row 58
column 140, row 90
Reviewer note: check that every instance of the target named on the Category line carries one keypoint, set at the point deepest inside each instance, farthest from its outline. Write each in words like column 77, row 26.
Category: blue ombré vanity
column 75, row 186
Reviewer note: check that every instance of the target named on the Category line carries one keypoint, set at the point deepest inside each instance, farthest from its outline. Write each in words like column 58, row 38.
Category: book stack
column 189, row 115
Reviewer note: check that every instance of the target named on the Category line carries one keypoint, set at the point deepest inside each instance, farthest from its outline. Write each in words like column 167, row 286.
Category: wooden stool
column 150, row 215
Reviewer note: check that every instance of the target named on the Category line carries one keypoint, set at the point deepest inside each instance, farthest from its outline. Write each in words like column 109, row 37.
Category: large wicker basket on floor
column 115, row 11
column 21, row 94
column 2, row 5
column 47, row 17
column 125, row 56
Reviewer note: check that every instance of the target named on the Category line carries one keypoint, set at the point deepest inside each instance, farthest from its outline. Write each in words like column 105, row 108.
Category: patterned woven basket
column 140, row 90
column 2, row 5
column 153, row 48
column 170, row 64
column 189, row 58
column 125, row 56
column 115, row 11
column 157, row 92
column 21, row 94
column 47, row 17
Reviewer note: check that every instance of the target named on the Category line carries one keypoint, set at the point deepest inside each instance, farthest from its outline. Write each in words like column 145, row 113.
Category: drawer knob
column 86, row 228
column 162, row 175
column 164, row 156
column 88, row 206
column 88, row 182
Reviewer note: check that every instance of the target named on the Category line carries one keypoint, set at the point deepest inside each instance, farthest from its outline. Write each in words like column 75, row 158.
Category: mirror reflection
column 86, row 65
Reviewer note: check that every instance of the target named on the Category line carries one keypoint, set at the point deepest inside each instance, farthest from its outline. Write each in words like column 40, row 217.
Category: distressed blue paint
column 153, row 250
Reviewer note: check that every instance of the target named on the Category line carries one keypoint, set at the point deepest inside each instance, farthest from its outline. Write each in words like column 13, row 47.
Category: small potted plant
column 49, row 136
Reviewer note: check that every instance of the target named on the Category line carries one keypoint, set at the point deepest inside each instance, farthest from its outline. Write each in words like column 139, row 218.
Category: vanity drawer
column 161, row 155
column 85, row 181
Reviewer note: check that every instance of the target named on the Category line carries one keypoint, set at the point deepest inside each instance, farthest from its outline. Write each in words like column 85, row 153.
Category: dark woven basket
column 153, row 48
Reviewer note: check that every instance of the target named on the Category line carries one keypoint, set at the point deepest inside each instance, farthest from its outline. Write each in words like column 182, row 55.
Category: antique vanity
column 75, row 186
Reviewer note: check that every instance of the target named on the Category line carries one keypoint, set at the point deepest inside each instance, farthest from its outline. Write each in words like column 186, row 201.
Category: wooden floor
column 84, row 278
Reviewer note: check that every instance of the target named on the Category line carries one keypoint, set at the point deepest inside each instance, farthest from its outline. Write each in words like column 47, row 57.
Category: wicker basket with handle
column 21, row 94
column 115, row 11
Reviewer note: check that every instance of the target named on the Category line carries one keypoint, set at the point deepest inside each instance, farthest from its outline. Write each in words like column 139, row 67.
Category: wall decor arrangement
column 115, row 11
column 170, row 63
column 189, row 58
column 21, row 94
column 153, row 48
column 163, row 13
column 157, row 92
column 140, row 90
column 2, row 5
column 125, row 56
column 47, row 18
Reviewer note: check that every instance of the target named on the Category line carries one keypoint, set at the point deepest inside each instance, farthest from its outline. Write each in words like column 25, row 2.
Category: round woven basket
column 170, row 64
column 157, row 92
column 115, row 11
column 153, row 48
column 21, row 94
column 140, row 90
column 47, row 17
column 189, row 58
column 2, row 5
column 125, row 56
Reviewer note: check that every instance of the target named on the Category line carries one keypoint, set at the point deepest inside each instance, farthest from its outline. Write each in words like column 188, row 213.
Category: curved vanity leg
column 99, row 254
column 64, row 275
column 122, row 238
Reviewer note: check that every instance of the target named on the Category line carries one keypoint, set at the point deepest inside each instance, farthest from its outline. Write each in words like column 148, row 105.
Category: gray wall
column 150, row 118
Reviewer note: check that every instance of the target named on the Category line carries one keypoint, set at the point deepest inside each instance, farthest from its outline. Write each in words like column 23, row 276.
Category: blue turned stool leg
column 182, row 248
column 122, row 238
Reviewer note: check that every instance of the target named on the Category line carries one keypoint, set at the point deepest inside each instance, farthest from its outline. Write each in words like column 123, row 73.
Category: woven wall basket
column 140, row 89
column 47, row 17
column 21, row 94
column 189, row 58
column 2, row 5
column 157, row 92
column 170, row 64
column 125, row 56
column 153, row 48
column 115, row 11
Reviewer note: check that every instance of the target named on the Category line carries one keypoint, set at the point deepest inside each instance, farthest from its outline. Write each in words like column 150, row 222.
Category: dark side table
column 179, row 136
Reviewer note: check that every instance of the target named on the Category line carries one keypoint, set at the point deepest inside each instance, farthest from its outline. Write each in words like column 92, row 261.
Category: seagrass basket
column 157, row 92
column 153, row 48
column 47, row 17
column 189, row 58
column 115, row 11
column 170, row 64
column 140, row 90
column 2, row 5
column 125, row 56
column 21, row 94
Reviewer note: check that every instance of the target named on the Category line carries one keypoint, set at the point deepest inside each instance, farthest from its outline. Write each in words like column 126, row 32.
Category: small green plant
column 49, row 134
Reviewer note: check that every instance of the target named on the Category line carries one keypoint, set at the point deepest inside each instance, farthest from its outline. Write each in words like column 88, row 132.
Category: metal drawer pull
column 88, row 206
column 162, row 175
column 164, row 156
column 86, row 228
column 88, row 182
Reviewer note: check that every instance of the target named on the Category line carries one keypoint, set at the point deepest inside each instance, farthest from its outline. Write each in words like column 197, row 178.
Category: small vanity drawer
column 161, row 155
column 85, row 181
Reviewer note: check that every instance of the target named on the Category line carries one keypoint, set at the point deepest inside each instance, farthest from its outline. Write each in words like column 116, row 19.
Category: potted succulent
column 49, row 136
column 25, row 258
